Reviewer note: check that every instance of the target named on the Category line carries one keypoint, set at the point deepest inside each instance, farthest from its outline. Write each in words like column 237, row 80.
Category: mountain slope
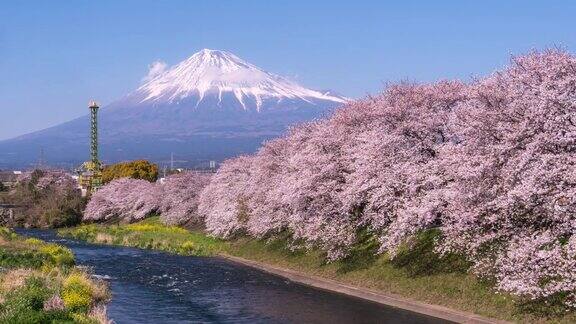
column 210, row 106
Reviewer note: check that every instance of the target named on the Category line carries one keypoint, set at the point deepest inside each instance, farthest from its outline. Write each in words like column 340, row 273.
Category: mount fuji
column 210, row 106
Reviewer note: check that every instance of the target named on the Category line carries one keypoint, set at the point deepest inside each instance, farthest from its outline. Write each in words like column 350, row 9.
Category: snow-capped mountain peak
column 212, row 105
column 220, row 73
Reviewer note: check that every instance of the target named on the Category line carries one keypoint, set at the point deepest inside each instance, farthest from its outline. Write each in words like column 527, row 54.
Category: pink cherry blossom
column 125, row 200
column 179, row 198
column 223, row 201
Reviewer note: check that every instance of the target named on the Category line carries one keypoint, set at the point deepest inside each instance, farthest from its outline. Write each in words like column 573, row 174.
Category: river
column 155, row 287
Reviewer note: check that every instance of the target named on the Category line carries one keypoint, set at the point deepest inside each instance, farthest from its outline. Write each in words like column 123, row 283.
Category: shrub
column 59, row 255
column 33, row 241
column 77, row 292
column 188, row 247
column 139, row 169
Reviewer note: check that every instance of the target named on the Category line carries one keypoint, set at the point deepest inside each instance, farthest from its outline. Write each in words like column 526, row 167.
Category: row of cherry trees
column 491, row 164
column 129, row 200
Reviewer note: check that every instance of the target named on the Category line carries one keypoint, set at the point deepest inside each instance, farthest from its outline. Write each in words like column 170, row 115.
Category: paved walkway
column 375, row 296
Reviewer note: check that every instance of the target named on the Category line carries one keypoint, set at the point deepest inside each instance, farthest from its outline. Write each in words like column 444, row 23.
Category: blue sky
column 56, row 55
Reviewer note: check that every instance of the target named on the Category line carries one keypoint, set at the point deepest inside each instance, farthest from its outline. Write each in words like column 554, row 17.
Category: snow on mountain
column 211, row 105
column 219, row 72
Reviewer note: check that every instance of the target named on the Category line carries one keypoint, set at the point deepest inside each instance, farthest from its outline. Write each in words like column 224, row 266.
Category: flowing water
column 155, row 287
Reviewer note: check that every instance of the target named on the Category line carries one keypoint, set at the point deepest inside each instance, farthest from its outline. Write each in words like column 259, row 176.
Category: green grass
column 16, row 252
column 416, row 273
column 32, row 272
column 150, row 234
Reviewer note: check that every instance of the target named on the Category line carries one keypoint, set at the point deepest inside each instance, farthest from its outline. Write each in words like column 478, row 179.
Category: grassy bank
column 40, row 284
column 416, row 273
column 149, row 234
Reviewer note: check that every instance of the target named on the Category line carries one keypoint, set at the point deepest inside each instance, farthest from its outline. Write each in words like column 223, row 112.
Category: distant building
column 9, row 178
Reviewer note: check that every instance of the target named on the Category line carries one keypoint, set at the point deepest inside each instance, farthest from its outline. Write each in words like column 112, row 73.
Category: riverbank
column 39, row 283
column 372, row 295
column 412, row 282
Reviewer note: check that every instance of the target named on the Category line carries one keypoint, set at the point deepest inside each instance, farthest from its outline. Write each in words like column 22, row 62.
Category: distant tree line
column 46, row 199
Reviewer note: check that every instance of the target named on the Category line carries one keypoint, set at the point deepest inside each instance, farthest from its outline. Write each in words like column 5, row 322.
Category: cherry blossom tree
column 513, row 198
column 395, row 179
column 179, row 198
column 125, row 200
column 269, row 211
column 312, row 188
column 48, row 179
column 223, row 201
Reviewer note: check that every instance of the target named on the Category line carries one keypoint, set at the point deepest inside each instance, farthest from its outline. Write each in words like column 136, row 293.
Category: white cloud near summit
column 154, row 69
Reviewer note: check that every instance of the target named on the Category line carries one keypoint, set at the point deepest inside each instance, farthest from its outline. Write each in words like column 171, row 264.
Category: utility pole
column 172, row 161
column 40, row 165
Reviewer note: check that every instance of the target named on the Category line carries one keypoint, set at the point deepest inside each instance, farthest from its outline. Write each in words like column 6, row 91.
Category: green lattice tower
column 96, row 181
column 94, row 132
